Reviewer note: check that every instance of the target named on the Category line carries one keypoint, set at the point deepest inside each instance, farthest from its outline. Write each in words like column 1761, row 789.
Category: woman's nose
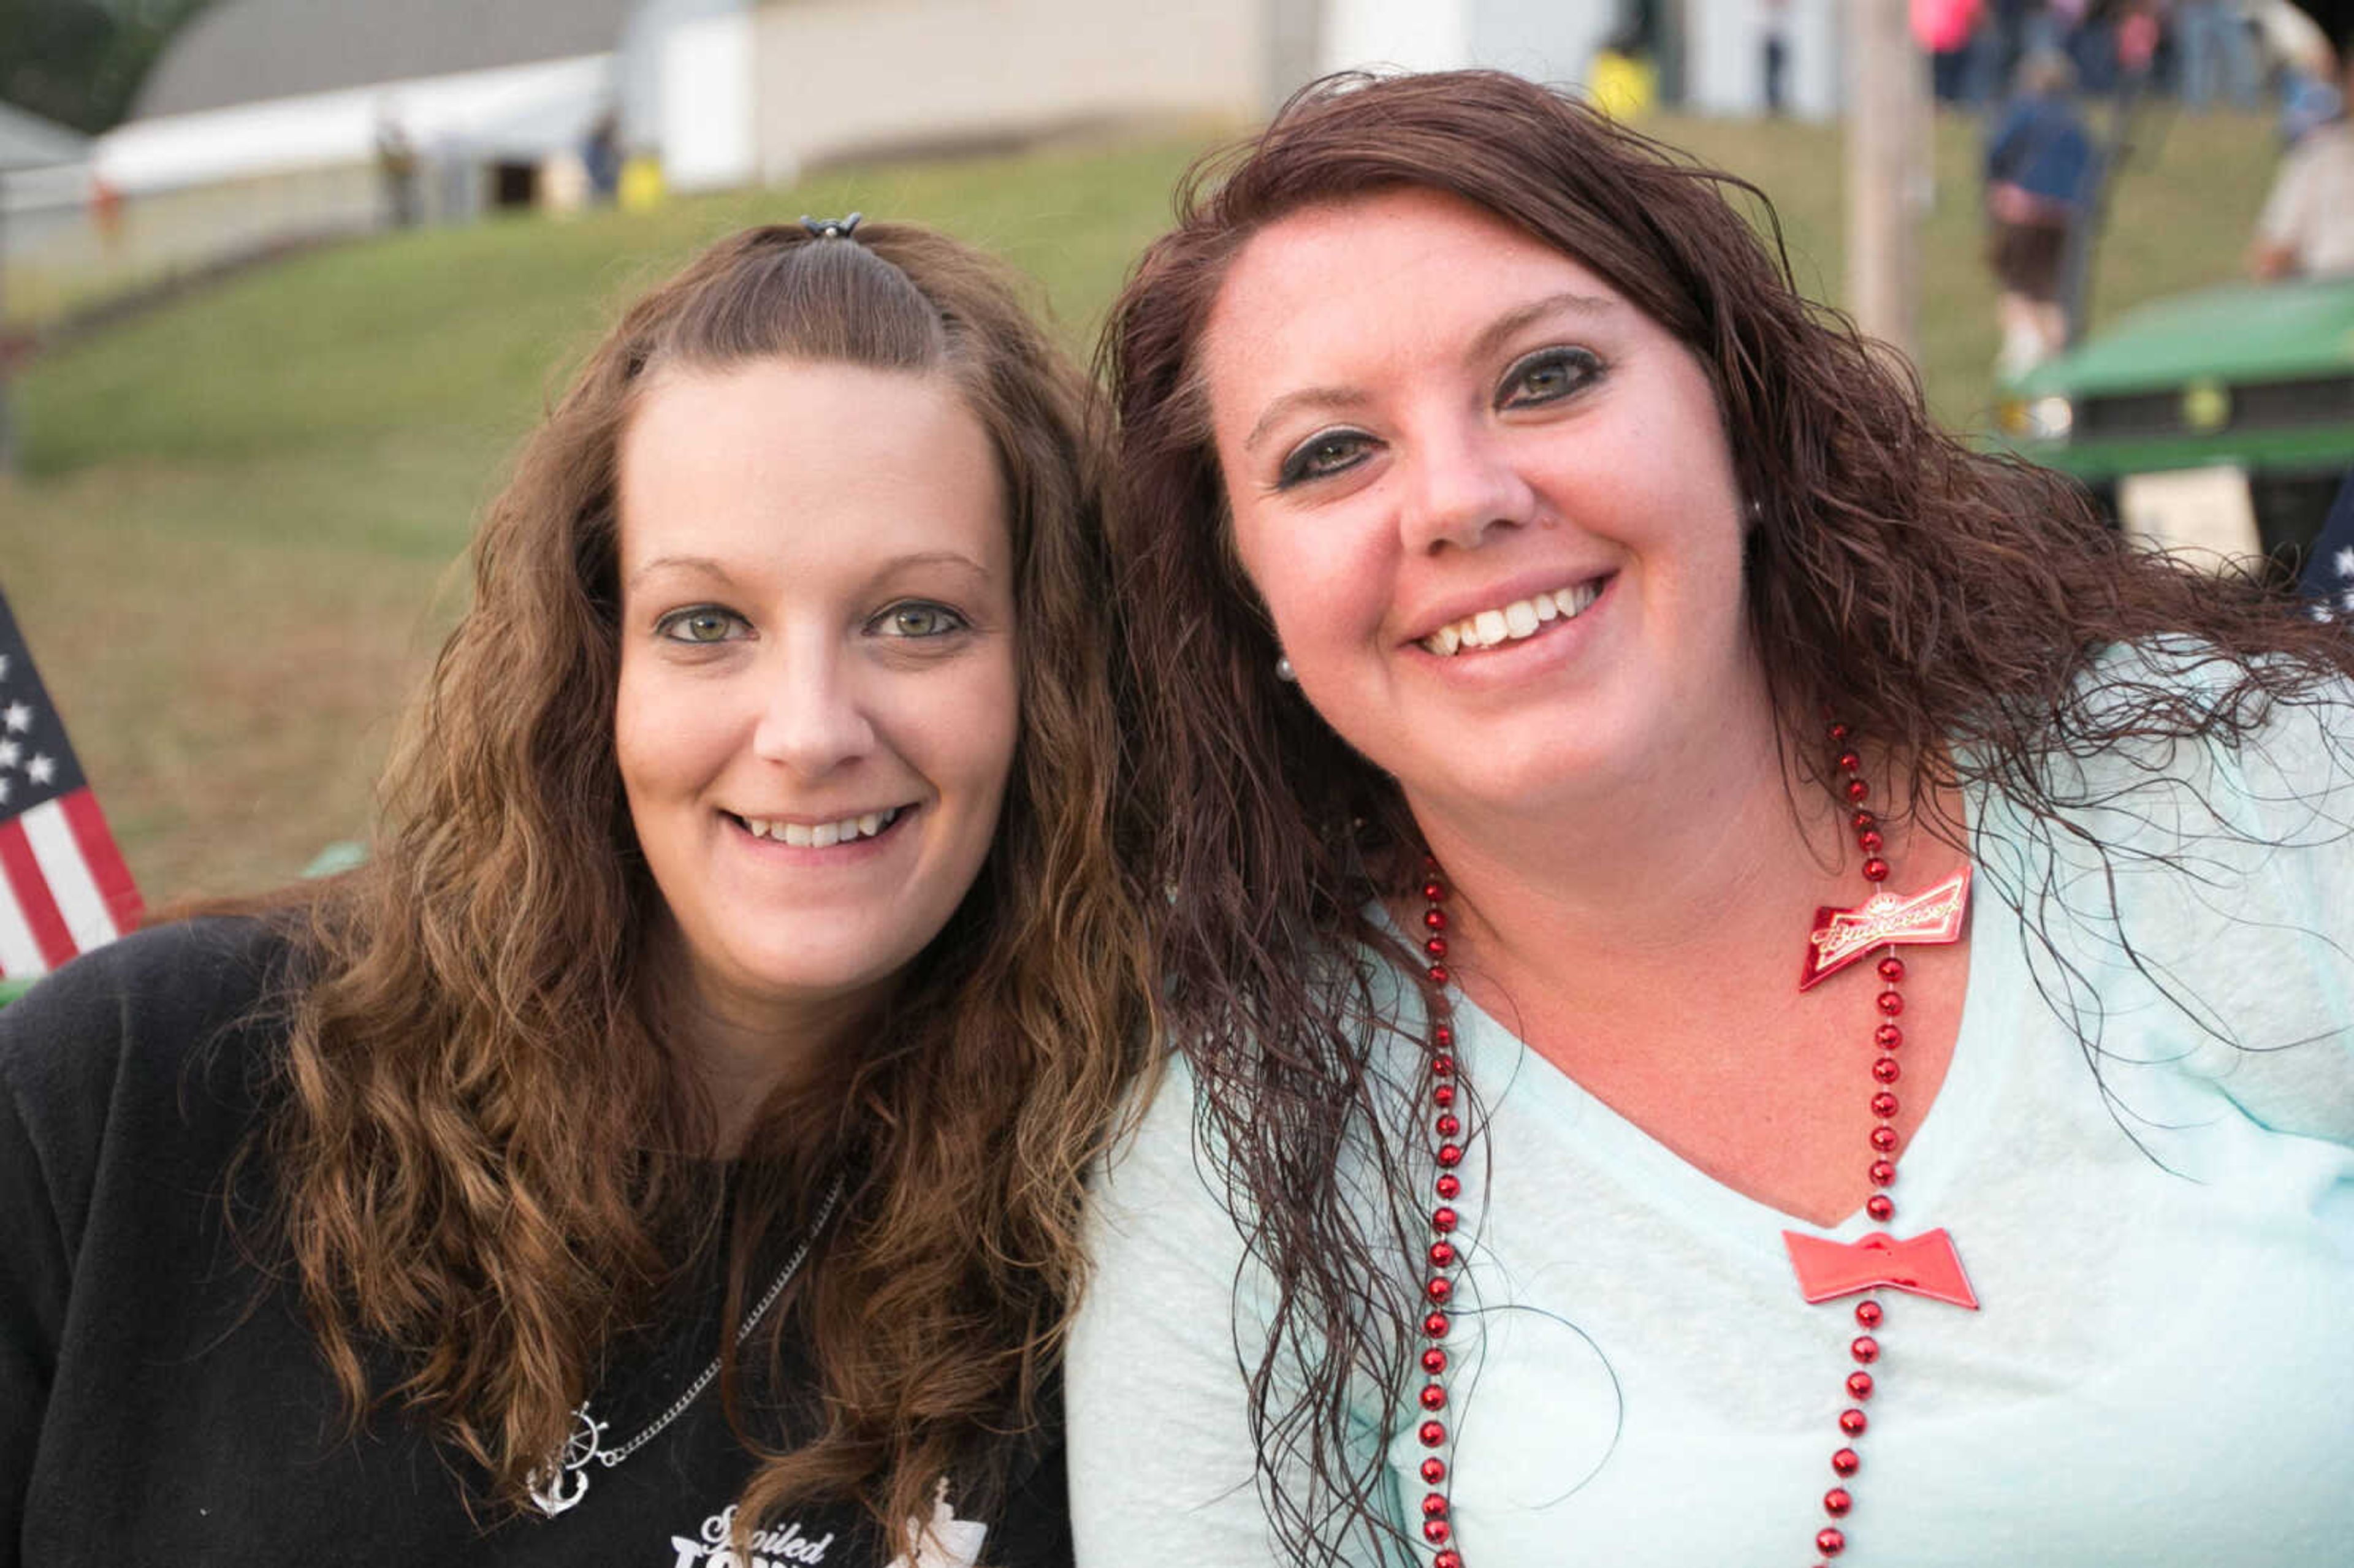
column 1463, row 484
column 812, row 718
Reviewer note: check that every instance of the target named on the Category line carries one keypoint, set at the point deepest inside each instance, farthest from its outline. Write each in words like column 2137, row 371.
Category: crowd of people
column 2205, row 52
column 1506, row 914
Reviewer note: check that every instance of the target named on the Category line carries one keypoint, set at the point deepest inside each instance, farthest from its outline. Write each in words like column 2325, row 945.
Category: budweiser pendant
column 1841, row 937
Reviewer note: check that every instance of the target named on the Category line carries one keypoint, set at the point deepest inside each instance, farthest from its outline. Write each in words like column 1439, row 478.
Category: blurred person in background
column 2215, row 54
column 666, row 1149
column 1774, row 55
column 1945, row 28
column 2039, row 166
column 2306, row 228
column 397, row 166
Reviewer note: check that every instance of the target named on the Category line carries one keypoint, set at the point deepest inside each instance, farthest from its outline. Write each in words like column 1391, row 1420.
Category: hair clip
column 833, row 228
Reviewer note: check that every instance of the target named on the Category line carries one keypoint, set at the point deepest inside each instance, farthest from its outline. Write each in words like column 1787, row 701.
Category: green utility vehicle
column 2217, row 421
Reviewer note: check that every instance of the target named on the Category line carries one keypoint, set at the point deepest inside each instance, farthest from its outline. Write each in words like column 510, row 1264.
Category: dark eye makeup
column 1547, row 375
column 1322, row 455
column 1532, row 381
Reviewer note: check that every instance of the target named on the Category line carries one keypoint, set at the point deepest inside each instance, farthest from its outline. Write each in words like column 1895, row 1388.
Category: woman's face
column 818, row 699
column 1488, row 502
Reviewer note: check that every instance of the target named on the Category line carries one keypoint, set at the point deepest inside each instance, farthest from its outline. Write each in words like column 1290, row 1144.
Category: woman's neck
column 736, row 1053
column 1717, row 848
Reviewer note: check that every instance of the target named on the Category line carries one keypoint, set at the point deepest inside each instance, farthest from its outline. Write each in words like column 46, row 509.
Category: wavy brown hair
column 493, row 1168
column 1948, row 602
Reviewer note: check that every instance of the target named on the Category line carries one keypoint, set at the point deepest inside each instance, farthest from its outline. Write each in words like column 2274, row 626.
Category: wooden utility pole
column 1887, row 171
column 7, row 370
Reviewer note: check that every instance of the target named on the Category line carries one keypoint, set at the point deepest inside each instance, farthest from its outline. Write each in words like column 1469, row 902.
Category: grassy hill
column 232, row 545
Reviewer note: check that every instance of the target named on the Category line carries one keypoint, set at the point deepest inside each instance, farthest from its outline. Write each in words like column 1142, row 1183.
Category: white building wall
column 1544, row 40
column 708, row 136
column 1725, row 56
column 835, row 77
column 1410, row 35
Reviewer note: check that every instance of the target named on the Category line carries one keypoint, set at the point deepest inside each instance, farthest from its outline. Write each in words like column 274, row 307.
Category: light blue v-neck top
column 2161, row 1371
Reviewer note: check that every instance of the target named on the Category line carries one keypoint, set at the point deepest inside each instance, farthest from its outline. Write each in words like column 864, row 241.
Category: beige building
column 833, row 78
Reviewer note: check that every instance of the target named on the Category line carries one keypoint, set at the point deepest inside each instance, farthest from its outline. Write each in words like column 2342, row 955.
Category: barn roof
column 249, row 51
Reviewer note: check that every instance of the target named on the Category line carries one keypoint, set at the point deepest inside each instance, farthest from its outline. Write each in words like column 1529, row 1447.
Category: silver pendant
column 564, row 1479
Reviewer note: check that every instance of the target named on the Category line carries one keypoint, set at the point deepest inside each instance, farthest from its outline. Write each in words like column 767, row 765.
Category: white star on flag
column 2344, row 561
column 11, row 753
column 41, row 769
column 17, row 715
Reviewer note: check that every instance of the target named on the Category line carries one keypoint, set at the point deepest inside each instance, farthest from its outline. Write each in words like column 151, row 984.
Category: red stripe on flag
column 104, row 861
column 32, row 891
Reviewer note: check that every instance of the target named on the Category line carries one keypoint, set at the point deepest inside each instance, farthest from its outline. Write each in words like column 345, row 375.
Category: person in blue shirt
column 2039, row 172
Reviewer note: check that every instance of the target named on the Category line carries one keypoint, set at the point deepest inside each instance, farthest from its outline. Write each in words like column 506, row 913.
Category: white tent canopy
column 515, row 111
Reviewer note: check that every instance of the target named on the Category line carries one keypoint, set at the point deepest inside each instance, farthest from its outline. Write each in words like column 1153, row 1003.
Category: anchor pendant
column 563, row 1481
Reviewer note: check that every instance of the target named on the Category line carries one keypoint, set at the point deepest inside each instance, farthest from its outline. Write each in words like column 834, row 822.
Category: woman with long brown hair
column 667, row 1148
column 1752, row 985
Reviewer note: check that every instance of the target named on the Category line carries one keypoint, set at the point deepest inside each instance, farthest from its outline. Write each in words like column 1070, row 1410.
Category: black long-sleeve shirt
column 162, row 1399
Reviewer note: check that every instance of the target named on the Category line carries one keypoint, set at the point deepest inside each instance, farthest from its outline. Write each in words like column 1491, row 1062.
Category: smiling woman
column 819, row 685
column 1581, row 692
column 738, row 991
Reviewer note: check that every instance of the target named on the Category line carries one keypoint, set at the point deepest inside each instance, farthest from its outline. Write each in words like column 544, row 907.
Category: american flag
column 2328, row 581
column 63, row 886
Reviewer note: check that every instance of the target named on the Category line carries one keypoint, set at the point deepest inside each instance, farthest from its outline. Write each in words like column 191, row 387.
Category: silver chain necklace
column 563, row 1480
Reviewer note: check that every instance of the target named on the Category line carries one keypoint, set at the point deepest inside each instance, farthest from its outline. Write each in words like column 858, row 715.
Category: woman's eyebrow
column 702, row 565
column 937, row 558
column 1333, row 398
column 1491, row 338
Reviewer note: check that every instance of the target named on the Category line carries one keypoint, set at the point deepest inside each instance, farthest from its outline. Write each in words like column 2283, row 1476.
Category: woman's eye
column 704, row 623
column 1545, row 375
column 1319, row 456
column 918, row 617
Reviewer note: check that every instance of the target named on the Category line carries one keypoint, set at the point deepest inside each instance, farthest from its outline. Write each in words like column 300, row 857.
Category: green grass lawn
column 232, row 547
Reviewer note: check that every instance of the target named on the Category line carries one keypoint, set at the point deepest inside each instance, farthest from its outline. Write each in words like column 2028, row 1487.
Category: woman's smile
column 1515, row 620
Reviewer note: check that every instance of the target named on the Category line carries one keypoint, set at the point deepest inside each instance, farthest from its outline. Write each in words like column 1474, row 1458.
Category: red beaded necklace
column 1926, row 1265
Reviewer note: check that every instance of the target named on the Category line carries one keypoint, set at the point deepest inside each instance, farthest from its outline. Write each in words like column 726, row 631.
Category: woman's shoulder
column 2186, row 895
column 2263, row 745
column 142, row 1018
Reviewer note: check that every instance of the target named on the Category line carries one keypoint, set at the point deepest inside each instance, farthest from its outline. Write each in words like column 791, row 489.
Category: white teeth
column 1511, row 623
column 820, row 835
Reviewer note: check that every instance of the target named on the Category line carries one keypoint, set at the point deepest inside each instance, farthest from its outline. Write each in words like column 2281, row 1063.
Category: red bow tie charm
column 1926, row 1266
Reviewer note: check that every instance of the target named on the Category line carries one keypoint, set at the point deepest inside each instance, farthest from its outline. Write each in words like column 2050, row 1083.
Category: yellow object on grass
column 1624, row 86
column 642, row 188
